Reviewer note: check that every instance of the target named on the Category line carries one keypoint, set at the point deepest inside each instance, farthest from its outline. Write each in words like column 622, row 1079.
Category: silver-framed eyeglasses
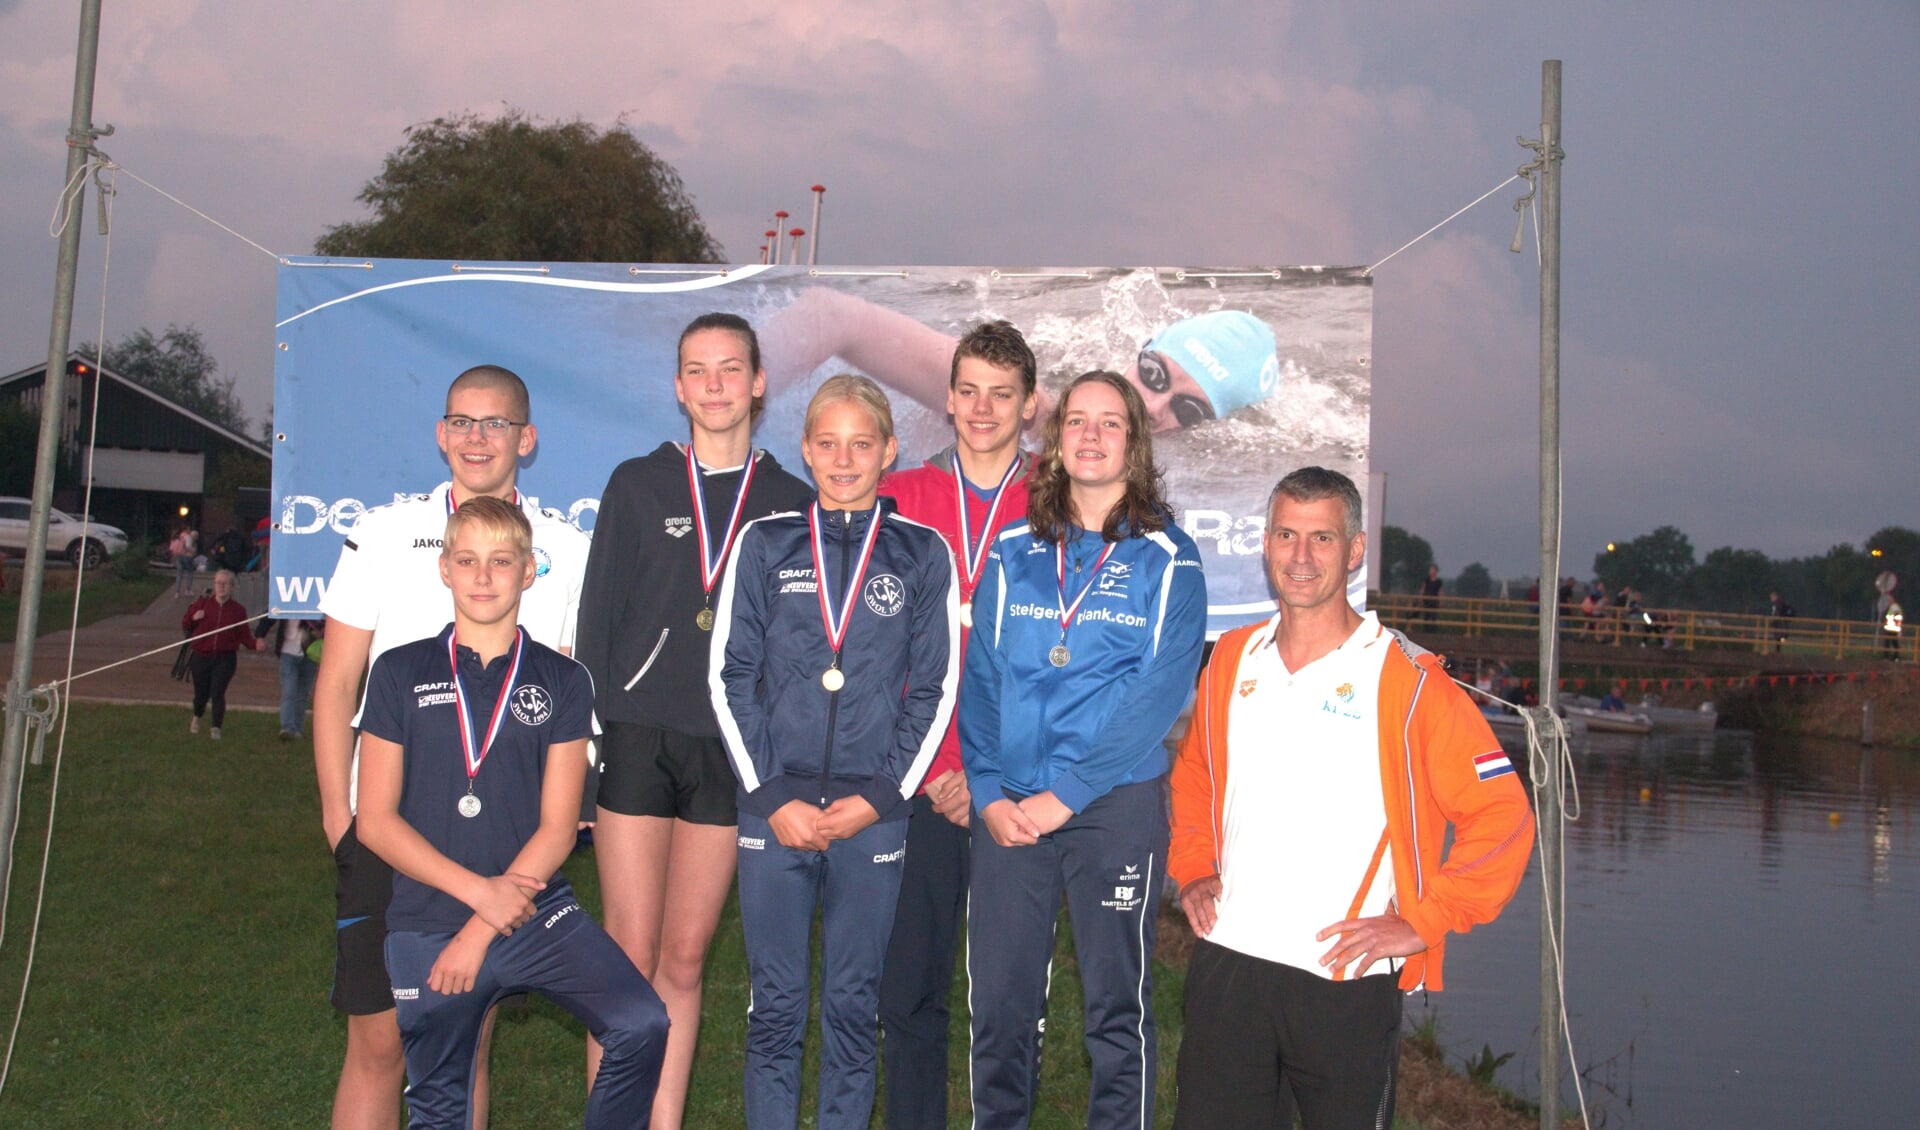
column 489, row 425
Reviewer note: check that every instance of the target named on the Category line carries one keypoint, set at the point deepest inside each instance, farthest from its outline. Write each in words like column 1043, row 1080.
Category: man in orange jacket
column 1322, row 746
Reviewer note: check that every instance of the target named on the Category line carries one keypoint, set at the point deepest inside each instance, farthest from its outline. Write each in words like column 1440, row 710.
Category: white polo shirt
column 1303, row 810
column 387, row 580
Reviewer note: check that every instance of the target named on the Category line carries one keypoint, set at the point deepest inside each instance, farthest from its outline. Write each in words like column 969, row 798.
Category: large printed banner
column 1249, row 374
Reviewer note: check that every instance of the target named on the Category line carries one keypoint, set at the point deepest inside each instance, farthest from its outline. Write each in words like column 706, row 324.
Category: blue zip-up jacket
column 1097, row 723
column 787, row 736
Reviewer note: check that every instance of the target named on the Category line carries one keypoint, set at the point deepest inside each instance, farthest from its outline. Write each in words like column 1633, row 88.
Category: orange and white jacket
column 1430, row 735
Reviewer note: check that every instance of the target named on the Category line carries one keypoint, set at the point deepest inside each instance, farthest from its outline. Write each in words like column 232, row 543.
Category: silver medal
column 833, row 679
column 469, row 806
column 1059, row 656
column 966, row 613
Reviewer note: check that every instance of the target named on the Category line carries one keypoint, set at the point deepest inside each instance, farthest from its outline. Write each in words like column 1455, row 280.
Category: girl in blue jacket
column 1087, row 631
column 833, row 668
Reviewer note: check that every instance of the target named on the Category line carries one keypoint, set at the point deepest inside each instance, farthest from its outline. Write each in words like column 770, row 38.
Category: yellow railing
column 1681, row 628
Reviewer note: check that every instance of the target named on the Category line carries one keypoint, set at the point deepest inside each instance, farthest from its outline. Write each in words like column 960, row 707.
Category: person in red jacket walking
column 217, row 625
column 969, row 492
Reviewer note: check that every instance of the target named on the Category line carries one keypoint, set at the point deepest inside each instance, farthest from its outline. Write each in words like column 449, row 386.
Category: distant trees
column 1837, row 584
column 515, row 187
column 1404, row 558
column 1657, row 564
column 1473, row 581
column 177, row 366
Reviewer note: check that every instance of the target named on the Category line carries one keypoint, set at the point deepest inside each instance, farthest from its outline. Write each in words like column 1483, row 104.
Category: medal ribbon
column 1069, row 611
column 837, row 625
column 974, row 557
column 710, row 565
column 499, row 707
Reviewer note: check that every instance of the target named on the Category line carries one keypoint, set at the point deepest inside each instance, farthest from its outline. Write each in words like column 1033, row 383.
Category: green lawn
column 186, row 952
column 104, row 595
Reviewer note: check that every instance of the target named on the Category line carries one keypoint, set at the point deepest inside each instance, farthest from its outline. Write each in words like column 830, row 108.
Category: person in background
column 217, row 624
column 1430, row 595
column 1782, row 613
column 182, row 550
column 293, row 642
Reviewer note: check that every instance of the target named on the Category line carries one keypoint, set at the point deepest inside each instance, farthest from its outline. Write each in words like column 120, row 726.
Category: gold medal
column 704, row 621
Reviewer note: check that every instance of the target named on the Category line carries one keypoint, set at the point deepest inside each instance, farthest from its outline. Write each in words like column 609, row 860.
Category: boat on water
column 1664, row 718
column 1503, row 722
column 1612, row 721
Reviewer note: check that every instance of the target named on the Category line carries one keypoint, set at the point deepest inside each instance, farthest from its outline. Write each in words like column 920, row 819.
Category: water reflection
column 1740, row 912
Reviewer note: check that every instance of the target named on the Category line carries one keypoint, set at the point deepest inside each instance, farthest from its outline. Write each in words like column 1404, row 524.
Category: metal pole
column 53, row 399
column 1551, row 815
column 813, row 247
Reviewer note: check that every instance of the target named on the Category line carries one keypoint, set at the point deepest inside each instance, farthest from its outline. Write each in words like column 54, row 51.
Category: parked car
column 65, row 536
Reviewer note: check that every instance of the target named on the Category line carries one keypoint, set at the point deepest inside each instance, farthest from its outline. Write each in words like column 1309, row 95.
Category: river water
column 1742, row 915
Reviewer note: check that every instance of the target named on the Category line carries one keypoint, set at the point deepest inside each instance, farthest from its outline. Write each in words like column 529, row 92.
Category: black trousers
column 918, row 973
column 211, row 674
column 1262, row 1039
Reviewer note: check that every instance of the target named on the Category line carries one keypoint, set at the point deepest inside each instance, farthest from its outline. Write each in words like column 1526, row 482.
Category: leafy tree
column 177, row 366
column 1734, row 580
column 20, row 446
column 1657, row 564
column 516, row 187
column 1404, row 558
column 1473, row 581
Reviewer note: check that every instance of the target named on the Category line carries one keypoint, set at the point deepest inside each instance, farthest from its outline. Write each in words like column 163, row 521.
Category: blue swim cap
column 1230, row 354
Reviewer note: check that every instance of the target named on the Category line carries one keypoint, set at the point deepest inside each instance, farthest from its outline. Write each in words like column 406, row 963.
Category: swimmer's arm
column 885, row 344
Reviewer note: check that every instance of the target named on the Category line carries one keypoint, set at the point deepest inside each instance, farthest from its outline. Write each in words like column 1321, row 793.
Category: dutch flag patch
column 1491, row 765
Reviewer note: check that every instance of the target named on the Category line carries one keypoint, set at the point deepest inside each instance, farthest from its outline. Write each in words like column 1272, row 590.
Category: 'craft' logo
column 886, row 595
column 532, row 705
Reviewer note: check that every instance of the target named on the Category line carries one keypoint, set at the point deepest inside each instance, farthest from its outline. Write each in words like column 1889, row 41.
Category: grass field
column 105, row 594
column 185, row 953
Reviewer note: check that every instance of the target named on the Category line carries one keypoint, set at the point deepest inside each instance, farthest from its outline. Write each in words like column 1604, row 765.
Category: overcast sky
column 1741, row 290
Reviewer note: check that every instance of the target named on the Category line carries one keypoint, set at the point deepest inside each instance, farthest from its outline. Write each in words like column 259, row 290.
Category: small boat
column 1503, row 722
column 1664, row 718
column 1612, row 721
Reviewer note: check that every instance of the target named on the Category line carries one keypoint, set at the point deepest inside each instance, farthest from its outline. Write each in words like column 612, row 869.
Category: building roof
column 148, row 431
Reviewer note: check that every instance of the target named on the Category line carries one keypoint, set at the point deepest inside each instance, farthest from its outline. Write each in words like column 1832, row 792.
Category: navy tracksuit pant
column 919, row 970
column 563, row 955
column 854, row 884
column 1108, row 860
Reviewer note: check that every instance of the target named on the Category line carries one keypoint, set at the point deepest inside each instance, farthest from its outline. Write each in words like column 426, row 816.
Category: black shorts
column 363, row 887
column 646, row 771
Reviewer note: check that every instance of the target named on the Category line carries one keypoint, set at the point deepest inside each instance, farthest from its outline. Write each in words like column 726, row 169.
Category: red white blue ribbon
column 475, row 756
column 974, row 557
column 711, row 566
column 837, row 625
column 1069, row 611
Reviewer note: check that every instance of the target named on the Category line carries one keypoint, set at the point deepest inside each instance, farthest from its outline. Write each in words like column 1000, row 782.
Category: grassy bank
column 105, row 594
column 185, row 957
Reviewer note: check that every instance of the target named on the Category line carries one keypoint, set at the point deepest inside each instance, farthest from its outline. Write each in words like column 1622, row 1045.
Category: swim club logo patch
column 532, row 705
column 885, row 595
column 1344, row 707
column 1113, row 579
column 542, row 562
column 679, row 527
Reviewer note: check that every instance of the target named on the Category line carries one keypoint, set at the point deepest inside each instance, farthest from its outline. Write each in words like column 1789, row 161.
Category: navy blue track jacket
column 787, row 736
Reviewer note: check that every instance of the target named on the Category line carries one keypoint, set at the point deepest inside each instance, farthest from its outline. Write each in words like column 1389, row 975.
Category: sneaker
column 193, row 727
column 288, row 735
column 216, row 733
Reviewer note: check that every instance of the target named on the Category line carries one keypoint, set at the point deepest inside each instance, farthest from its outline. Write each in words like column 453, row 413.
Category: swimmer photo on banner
column 1246, row 373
